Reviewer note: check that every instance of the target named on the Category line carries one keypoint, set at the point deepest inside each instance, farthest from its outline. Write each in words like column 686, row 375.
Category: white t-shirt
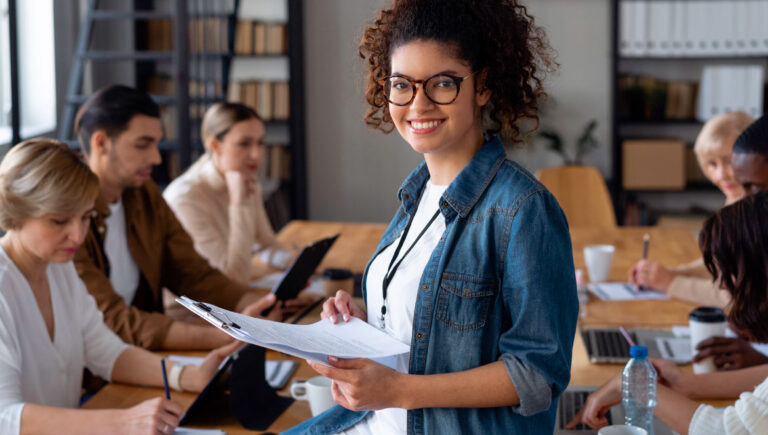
column 34, row 369
column 123, row 272
column 401, row 298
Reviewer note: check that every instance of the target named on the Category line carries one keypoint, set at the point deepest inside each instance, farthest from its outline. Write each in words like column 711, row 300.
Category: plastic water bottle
column 638, row 389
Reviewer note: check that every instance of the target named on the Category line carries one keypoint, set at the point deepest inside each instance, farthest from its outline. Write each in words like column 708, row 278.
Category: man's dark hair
column 753, row 140
column 111, row 109
column 734, row 244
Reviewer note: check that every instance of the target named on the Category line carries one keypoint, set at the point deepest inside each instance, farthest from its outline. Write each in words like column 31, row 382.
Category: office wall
column 354, row 172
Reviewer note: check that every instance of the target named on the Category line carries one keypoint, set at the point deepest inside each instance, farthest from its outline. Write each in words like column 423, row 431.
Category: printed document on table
column 353, row 339
column 623, row 291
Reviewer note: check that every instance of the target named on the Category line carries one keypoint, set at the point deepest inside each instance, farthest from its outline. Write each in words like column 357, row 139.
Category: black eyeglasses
column 440, row 88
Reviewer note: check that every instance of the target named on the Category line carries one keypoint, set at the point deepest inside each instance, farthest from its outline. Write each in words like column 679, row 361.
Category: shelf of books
column 266, row 75
column 675, row 65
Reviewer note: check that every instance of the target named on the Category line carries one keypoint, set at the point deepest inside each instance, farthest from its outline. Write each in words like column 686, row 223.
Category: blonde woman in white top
column 691, row 282
column 50, row 327
column 219, row 199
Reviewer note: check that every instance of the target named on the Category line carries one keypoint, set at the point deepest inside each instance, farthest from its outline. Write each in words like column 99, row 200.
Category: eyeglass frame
column 413, row 83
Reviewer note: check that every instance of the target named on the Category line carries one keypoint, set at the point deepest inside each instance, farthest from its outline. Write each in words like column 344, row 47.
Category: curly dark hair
column 734, row 244
column 498, row 37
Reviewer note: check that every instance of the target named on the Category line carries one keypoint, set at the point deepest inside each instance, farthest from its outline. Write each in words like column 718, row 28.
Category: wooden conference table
column 357, row 243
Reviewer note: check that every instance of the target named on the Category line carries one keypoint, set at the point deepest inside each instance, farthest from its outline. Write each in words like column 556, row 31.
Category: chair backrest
column 582, row 194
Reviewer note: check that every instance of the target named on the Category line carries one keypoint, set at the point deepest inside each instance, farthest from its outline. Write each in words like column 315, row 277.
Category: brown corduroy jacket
column 165, row 256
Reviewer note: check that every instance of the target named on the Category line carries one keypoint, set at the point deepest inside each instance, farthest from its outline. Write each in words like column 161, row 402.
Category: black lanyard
column 393, row 266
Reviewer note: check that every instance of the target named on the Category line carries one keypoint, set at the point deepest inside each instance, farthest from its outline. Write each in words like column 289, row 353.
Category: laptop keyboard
column 570, row 404
column 606, row 343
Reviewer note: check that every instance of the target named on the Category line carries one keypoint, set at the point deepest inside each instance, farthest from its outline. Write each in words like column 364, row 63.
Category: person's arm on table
column 672, row 408
column 717, row 385
column 133, row 366
column 730, row 353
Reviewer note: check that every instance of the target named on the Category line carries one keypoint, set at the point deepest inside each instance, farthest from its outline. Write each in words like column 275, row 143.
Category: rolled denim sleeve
column 539, row 293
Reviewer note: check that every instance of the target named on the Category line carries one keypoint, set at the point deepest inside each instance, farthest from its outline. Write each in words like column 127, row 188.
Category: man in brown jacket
column 135, row 245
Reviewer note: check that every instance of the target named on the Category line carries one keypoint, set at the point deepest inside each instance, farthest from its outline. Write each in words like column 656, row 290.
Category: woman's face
column 430, row 127
column 54, row 238
column 241, row 148
column 717, row 167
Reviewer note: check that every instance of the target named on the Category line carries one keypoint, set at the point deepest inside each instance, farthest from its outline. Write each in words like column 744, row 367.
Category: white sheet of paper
column 623, row 291
column 353, row 339
column 675, row 349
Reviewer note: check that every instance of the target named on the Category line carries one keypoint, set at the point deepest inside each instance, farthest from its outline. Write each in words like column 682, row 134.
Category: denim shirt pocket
column 463, row 301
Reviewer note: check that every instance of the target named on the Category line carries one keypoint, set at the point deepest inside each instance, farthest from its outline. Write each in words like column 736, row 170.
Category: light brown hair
column 43, row 176
column 220, row 118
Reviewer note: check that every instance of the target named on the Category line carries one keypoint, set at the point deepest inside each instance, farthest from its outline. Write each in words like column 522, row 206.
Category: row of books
column 693, row 27
column 275, row 163
column 270, row 99
column 729, row 88
column 645, row 98
column 253, row 37
column 206, row 35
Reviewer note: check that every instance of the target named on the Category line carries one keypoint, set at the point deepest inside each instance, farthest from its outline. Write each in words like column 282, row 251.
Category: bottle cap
column 707, row 315
column 638, row 352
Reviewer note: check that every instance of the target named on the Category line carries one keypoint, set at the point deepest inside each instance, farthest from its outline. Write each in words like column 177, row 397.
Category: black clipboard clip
column 209, row 311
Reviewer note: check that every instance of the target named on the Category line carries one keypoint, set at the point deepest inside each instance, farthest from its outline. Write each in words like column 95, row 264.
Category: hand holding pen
column 649, row 274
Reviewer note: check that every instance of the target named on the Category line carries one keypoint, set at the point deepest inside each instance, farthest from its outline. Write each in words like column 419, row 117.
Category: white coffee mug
column 706, row 322
column 598, row 259
column 622, row 429
column 317, row 391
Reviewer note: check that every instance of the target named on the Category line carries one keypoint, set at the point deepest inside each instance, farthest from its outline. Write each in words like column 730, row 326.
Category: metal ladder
column 179, row 57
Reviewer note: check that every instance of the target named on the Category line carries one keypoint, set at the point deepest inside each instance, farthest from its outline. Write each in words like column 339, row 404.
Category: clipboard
column 295, row 279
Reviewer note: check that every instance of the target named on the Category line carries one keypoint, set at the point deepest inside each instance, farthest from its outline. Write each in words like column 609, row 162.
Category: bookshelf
column 188, row 68
column 655, row 95
column 267, row 74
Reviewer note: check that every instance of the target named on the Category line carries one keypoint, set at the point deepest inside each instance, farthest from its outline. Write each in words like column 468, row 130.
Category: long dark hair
column 734, row 244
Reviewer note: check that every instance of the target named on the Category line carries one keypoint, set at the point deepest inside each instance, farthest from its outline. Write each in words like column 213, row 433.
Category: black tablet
column 213, row 395
column 295, row 279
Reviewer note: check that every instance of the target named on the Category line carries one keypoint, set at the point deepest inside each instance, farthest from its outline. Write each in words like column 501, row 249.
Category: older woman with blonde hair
column 219, row 199
column 50, row 327
column 691, row 282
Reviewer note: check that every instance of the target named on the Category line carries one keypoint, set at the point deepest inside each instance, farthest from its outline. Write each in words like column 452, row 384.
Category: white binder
column 660, row 28
column 626, row 22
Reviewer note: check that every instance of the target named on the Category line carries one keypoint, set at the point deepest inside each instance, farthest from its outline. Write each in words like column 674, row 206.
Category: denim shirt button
column 425, row 287
column 419, row 336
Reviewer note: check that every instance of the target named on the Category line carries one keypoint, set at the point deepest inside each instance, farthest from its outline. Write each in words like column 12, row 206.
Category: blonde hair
column 43, row 176
column 716, row 130
column 220, row 118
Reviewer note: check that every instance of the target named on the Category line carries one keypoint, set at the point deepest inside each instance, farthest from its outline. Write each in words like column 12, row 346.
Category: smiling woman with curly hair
column 475, row 269
column 496, row 37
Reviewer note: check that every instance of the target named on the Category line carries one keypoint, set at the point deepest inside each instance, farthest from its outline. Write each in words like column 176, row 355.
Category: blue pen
column 165, row 381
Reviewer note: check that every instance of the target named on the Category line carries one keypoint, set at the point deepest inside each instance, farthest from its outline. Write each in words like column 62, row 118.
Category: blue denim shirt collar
column 465, row 190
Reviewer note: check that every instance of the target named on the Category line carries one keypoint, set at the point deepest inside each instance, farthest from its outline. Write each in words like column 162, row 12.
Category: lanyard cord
column 393, row 266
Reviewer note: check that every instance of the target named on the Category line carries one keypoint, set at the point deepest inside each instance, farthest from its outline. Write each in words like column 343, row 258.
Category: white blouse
column 749, row 415
column 401, row 299
column 35, row 369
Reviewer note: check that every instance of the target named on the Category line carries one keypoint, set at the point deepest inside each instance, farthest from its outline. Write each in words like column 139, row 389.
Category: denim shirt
column 499, row 286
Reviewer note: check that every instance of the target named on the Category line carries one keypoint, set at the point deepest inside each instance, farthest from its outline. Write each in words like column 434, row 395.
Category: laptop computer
column 608, row 346
column 571, row 402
